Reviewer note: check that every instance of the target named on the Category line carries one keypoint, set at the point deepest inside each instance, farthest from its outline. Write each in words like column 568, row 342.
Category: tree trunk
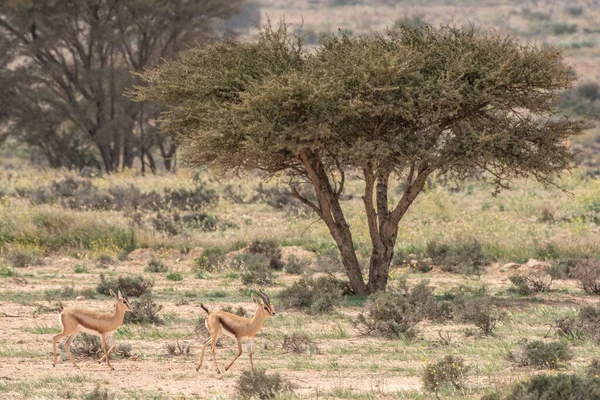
column 381, row 260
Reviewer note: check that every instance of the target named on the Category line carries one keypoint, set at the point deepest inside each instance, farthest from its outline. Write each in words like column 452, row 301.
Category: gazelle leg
column 105, row 352
column 239, row 344
column 68, row 347
column 55, row 340
column 109, row 352
column 213, row 345
column 204, row 344
column 249, row 349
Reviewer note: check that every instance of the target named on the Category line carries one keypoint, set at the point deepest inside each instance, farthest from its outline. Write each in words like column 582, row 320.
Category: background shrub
column 269, row 248
column 256, row 269
column 262, row 386
column 295, row 266
column 145, row 311
column 450, row 371
column 300, row 343
column 133, row 286
column 155, row 265
column 541, row 355
column 554, row 387
column 318, row 296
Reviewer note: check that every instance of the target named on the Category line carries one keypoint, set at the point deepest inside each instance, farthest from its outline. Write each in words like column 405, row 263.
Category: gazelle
column 236, row 327
column 75, row 320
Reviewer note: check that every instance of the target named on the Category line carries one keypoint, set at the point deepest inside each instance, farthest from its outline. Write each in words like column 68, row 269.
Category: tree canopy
column 406, row 102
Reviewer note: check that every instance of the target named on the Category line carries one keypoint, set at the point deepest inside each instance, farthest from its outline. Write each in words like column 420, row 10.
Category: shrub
column 123, row 350
column 133, row 286
column 256, row 269
column 145, row 311
column 295, row 266
column 269, row 248
column 450, row 371
column 593, row 370
column 99, row 394
column 104, row 260
column 24, row 257
column 300, row 343
column 588, row 274
column 175, row 276
column 87, row 346
column 80, row 269
column 563, row 268
column 178, row 349
column 585, row 324
column 555, row 387
column 396, row 313
column 329, row 261
column 259, row 385
column 531, row 283
column 477, row 308
column 209, row 260
column 461, row 258
column 318, row 296
column 155, row 265
column 541, row 355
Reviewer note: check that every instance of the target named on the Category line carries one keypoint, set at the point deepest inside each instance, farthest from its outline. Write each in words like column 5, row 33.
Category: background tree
column 405, row 103
column 70, row 62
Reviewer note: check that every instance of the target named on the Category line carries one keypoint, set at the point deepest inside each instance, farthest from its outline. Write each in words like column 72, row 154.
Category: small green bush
column 295, row 266
column 395, row 313
column 554, row 387
column 528, row 284
column 210, row 260
column 269, row 248
column 145, row 311
column 86, row 345
column 255, row 269
column 585, row 325
column 133, row 286
column 464, row 258
column 155, row 265
column 478, row 308
column 24, row 257
column 450, row 371
column 541, row 354
column 259, row 385
column 80, row 269
column 318, row 296
column 175, row 276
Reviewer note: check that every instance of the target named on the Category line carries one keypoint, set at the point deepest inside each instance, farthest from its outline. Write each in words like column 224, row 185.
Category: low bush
column 300, row 343
column 80, row 269
column 178, row 349
column 86, row 345
column 155, row 265
column 593, row 370
column 541, row 355
column 23, row 257
column 465, row 257
column 318, row 296
column 553, row 387
column 269, row 248
column 395, row 313
column 263, row 386
column 588, row 274
column 528, row 284
column 256, row 269
column 175, row 276
column 478, row 308
column 210, row 260
column 450, row 371
column 585, row 325
column 329, row 261
column 99, row 394
column 145, row 311
column 133, row 286
column 295, row 266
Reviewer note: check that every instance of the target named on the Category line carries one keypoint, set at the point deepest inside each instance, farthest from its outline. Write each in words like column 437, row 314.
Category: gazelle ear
column 112, row 294
column 255, row 299
column 120, row 294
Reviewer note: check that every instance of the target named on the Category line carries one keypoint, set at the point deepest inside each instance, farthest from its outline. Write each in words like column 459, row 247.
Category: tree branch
column 309, row 203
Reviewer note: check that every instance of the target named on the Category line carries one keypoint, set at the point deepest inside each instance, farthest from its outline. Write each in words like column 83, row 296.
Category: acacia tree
column 404, row 103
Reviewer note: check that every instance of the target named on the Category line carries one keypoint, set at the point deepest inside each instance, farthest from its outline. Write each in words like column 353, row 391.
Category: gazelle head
column 121, row 299
column 265, row 304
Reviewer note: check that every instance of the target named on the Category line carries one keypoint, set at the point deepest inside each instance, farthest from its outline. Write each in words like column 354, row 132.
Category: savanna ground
column 59, row 232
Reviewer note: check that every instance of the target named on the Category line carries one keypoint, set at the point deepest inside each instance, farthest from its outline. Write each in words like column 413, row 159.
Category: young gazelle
column 236, row 327
column 75, row 320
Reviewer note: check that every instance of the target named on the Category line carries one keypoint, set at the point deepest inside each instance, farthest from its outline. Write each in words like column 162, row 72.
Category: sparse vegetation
column 133, row 286
column 156, row 266
column 320, row 295
column 300, row 343
column 145, row 311
column 541, row 355
column 261, row 385
column 450, row 371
